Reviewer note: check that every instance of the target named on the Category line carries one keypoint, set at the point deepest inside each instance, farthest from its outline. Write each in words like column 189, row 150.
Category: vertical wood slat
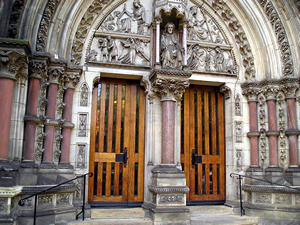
column 187, row 153
column 206, row 122
column 99, row 179
column 92, row 142
column 213, row 123
column 214, row 179
column 199, row 125
column 102, row 117
column 141, row 140
column 126, row 142
column 132, row 130
column 109, row 138
column 221, row 143
column 118, row 138
column 192, row 137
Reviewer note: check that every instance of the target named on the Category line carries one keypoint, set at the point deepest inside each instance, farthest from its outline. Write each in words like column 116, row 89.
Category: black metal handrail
column 241, row 176
column 22, row 201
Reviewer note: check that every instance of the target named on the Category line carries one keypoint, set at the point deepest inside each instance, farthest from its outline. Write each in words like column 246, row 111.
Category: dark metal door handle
column 122, row 157
column 196, row 158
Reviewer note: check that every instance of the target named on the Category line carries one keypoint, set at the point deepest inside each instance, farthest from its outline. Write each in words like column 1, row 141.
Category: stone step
column 218, row 215
column 120, row 213
column 106, row 221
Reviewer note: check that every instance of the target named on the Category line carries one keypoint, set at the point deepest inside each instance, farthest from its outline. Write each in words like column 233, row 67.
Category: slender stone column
column 71, row 81
column 13, row 63
column 272, row 133
column 157, row 42
column 292, row 131
column 37, row 69
column 168, row 131
column 54, row 72
column 253, row 133
column 184, row 43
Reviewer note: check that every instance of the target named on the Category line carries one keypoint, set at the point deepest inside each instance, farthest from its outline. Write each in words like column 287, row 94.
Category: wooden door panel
column 203, row 133
column 117, row 124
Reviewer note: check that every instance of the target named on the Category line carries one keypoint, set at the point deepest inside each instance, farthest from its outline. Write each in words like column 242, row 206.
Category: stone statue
column 103, row 46
column 139, row 15
column 130, row 51
column 171, row 53
column 112, row 49
column 197, row 30
column 196, row 61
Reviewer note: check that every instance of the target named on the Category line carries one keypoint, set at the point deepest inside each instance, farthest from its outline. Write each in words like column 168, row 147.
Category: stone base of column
column 168, row 189
column 275, row 175
column 8, row 173
column 65, row 165
column 293, row 176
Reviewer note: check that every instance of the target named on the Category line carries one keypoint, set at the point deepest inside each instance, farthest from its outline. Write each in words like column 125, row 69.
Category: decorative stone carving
column 286, row 56
column 39, row 141
column 171, row 199
column 237, row 106
column 263, row 198
column 131, row 48
column 171, row 53
column 15, row 18
column 81, row 156
column 145, row 82
column 283, row 146
column 82, row 125
column 3, row 206
column 45, row 24
column 45, row 201
column 55, row 73
column 166, row 6
column 58, row 139
column 82, row 31
column 238, row 33
column 203, row 28
column 108, row 49
column 169, row 84
column 226, row 91
column 239, row 160
column 84, row 95
column 262, row 128
column 37, row 68
column 238, row 132
column 71, row 79
column 13, row 63
column 283, row 199
column 63, row 199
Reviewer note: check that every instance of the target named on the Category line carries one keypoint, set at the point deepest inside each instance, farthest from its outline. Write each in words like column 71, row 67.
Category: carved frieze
column 130, row 51
column 93, row 11
column 283, row 199
column 286, row 56
column 63, row 199
column 263, row 198
column 45, row 201
column 45, row 24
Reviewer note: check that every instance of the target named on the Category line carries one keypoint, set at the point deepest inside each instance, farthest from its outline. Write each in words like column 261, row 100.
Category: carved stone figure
column 112, row 50
column 171, row 53
column 139, row 15
column 84, row 95
column 219, row 59
column 196, row 61
column 197, row 31
column 103, row 46
column 130, row 51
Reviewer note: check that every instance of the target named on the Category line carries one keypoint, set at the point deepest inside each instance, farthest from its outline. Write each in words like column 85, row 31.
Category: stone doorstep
column 121, row 213
column 137, row 221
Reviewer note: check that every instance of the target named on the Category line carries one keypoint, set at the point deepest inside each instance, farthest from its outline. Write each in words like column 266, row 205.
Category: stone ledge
column 169, row 189
column 270, row 189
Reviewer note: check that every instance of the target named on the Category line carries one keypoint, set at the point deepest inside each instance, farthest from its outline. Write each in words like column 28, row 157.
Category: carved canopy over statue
column 171, row 53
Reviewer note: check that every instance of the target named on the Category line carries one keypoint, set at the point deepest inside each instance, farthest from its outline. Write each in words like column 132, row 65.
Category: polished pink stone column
column 6, row 95
column 50, row 114
column 30, row 128
column 293, row 145
column 65, row 150
column 253, row 139
column 168, row 131
column 273, row 148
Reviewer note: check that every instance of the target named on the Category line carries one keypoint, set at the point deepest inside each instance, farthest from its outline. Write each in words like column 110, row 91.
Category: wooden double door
column 117, row 142
column 203, row 144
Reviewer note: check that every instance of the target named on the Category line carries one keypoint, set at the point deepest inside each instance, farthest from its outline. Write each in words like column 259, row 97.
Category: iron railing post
column 83, row 203
column 241, row 197
column 34, row 212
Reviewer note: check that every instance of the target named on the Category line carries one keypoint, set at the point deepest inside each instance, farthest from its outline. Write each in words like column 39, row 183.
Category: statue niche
column 171, row 52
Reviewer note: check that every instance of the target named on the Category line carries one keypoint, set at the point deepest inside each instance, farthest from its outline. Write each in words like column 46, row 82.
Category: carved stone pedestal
column 168, row 190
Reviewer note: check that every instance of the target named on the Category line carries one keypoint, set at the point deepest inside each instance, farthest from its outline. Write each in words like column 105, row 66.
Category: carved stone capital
column 55, row 73
column 290, row 87
column 270, row 92
column 169, row 85
column 13, row 63
column 251, row 93
column 72, row 78
column 38, row 68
